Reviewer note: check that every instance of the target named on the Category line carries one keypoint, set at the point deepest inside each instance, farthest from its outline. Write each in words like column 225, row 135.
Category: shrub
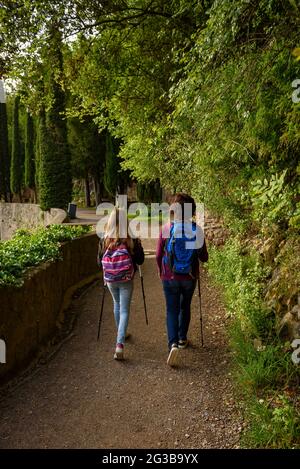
column 263, row 364
column 30, row 248
column 242, row 278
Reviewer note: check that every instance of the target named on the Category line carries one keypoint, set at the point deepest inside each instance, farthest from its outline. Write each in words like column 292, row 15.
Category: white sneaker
column 173, row 356
column 119, row 352
column 182, row 344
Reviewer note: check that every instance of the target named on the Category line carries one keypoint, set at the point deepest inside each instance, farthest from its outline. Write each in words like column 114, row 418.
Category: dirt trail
column 82, row 398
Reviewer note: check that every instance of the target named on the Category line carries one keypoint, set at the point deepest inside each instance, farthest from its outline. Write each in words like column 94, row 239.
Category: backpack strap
column 169, row 256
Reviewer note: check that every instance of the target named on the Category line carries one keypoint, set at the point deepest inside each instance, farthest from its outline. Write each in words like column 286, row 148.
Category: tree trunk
column 97, row 191
column 87, row 192
column 101, row 189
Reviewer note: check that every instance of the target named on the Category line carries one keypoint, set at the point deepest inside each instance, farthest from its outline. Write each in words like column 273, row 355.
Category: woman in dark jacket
column 179, row 288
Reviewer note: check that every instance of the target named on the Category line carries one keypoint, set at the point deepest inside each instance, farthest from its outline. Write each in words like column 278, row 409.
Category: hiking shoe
column 183, row 344
column 119, row 352
column 173, row 356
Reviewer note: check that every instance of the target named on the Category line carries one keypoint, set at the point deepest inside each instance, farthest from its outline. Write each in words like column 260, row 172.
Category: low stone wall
column 15, row 215
column 30, row 315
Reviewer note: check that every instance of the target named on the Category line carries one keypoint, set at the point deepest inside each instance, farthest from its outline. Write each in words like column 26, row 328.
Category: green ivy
column 242, row 277
column 31, row 248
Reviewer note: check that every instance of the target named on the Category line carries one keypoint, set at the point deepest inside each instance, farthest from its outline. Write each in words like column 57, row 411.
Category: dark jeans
column 179, row 295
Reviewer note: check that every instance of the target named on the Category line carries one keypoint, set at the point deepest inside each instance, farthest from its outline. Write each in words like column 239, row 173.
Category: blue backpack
column 180, row 247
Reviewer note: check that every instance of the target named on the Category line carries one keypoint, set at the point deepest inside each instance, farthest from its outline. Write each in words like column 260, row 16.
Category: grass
column 268, row 366
column 275, row 423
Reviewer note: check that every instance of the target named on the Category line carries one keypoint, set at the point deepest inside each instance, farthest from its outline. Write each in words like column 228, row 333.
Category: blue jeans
column 179, row 295
column 121, row 293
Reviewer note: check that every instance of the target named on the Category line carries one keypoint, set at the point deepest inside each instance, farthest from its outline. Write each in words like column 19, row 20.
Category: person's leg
column 172, row 296
column 126, row 290
column 187, row 289
column 115, row 293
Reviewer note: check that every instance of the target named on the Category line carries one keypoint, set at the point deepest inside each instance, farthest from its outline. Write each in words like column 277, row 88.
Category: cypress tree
column 29, row 152
column 16, row 152
column 37, row 153
column 4, row 153
column 55, row 181
column 47, row 175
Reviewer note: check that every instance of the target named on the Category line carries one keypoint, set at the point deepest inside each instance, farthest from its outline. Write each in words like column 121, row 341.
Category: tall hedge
column 55, row 184
column 55, row 167
column 29, row 152
column 37, row 154
column 4, row 154
column 16, row 169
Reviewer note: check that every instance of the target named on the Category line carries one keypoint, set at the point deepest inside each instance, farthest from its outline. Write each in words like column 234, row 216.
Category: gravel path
column 82, row 398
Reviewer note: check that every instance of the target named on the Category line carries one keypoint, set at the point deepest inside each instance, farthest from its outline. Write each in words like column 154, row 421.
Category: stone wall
column 15, row 215
column 30, row 315
column 214, row 229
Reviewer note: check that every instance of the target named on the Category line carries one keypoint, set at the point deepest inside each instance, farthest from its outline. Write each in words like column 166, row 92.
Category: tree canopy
column 198, row 92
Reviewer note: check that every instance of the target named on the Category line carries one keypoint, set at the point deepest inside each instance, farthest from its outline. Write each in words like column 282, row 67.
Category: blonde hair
column 117, row 230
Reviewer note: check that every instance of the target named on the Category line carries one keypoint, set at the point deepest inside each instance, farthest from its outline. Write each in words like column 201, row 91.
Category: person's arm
column 138, row 252
column 202, row 253
column 159, row 252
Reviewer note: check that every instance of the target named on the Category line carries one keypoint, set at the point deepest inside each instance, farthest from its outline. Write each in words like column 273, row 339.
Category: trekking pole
column 142, row 283
column 200, row 310
column 101, row 312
